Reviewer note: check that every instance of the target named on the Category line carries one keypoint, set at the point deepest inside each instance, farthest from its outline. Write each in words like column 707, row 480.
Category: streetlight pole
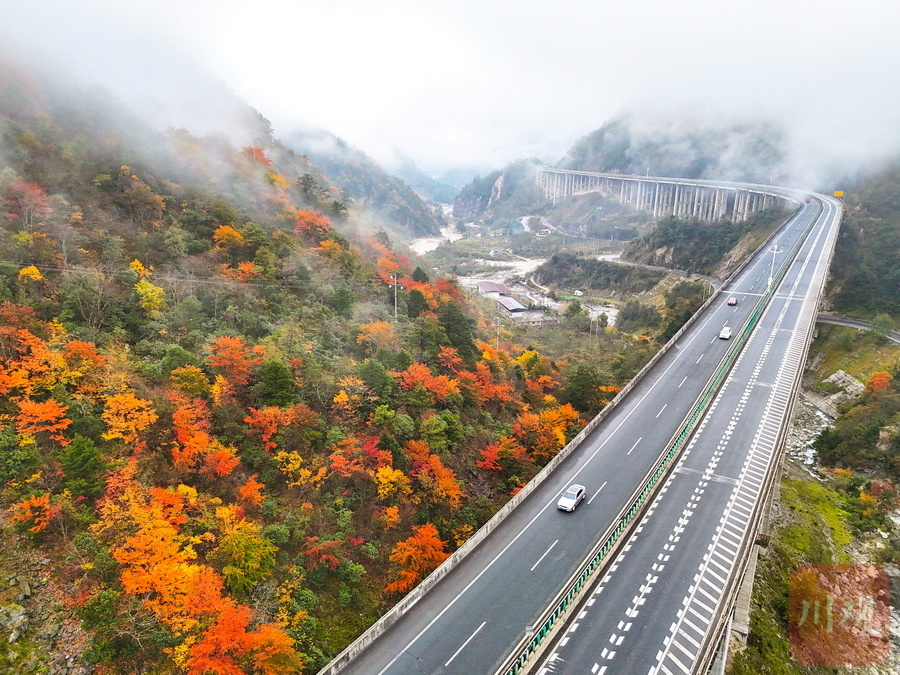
column 497, row 323
column 394, row 284
column 774, row 250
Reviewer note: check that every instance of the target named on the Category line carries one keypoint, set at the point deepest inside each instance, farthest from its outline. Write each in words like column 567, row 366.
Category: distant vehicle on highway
column 725, row 333
column 807, row 200
column 571, row 498
column 732, row 300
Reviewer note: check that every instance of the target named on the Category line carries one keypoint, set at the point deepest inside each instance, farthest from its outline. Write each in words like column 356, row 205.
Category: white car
column 571, row 498
column 725, row 333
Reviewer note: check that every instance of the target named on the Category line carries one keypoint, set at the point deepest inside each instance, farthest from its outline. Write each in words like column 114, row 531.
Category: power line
column 170, row 277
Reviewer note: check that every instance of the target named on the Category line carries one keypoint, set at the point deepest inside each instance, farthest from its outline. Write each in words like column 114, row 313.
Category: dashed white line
column 543, row 556
column 465, row 643
column 635, row 444
column 598, row 491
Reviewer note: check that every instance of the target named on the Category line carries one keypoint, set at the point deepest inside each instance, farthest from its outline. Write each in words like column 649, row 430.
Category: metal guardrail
column 571, row 591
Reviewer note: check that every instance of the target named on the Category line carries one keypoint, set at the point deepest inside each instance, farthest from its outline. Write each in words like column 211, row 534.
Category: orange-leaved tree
column 507, row 448
column 311, row 225
column 158, row 566
column 269, row 421
column 36, row 510
column 234, row 358
column 250, row 493
column 194, row 447
column 441, row 387
column 439, row 482
column 257, row 156
column 126, row 416
column 47, row 417
column 417, row 556
column 378, row 335
column 545, row 433
column 879, row 380
column 227, row 238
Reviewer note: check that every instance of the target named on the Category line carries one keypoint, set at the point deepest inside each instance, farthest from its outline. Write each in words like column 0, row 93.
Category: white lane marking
column 635, row 444
column 543, row 556
column 598, row 491
column 683, row 381
column 661, row 409
column 465, row 643
column 701, row 356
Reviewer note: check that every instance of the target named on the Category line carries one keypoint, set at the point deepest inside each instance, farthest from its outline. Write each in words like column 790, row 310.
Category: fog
column 481, row 82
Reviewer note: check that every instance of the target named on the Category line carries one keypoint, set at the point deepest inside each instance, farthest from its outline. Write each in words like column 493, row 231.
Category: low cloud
column 474, row 83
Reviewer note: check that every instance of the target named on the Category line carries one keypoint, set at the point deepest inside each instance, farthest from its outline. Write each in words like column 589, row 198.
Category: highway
column 478, row 613
column 653, row 610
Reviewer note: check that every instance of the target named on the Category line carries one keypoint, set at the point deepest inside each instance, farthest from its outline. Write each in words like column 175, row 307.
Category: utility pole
column 497, row 323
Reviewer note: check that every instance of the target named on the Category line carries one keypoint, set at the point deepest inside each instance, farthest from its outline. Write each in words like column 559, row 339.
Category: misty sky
column 482, row 82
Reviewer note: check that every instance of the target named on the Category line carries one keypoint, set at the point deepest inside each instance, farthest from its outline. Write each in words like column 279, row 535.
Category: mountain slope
column 397, row 207
column 227, row 407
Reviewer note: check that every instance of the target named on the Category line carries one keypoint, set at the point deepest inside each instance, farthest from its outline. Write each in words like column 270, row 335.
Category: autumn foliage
column 213, row 418
column 880, row 380
column 36, row 511
column 234, row 358
column 416, row 556
column 192, row 538
column 158, row 565
column 42, row 417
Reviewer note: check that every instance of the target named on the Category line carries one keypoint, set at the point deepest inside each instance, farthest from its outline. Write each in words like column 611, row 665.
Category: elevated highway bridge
column 708, row 201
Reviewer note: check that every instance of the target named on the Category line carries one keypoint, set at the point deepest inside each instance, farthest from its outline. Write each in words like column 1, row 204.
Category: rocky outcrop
column 39, row 632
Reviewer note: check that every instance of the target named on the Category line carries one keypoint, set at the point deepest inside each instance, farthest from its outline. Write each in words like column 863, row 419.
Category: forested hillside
column 570, row 271
column 385, row 197
column 865, row 274
column 235, row 425
column 510, row 193
column 713, row 249
column 865, row 282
